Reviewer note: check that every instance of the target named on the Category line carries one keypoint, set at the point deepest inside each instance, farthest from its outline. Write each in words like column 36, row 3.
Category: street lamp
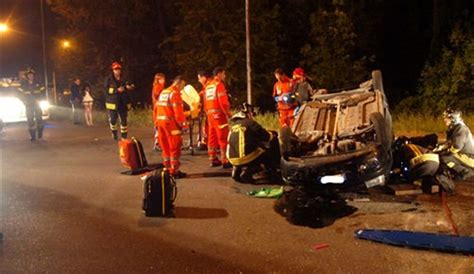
column 4, row 27
column 66, row 44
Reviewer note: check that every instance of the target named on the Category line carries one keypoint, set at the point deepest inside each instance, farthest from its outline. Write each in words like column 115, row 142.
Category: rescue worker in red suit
column 170, row 121
column 158, row 86
column 283, row 96
column 203, row 78
column 217, row 107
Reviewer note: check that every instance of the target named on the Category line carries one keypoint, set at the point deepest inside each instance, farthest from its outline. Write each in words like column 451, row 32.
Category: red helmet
column 298, row 72
column 116, row 65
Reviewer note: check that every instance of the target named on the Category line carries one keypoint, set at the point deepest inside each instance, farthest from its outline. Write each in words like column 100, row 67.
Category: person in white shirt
column 88, row 101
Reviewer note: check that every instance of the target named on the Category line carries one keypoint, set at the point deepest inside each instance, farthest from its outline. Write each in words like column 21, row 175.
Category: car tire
column 377, row 80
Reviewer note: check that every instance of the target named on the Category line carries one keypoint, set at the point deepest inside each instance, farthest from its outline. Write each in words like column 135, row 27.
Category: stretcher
column 193, row 108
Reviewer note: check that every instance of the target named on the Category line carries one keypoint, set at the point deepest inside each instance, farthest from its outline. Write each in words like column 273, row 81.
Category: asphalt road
column 66, row 208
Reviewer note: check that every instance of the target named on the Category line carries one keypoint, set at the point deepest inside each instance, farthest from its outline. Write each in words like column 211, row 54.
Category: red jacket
column 216, row 99
column 281, row 88
column 155, row 92
column 169, row 107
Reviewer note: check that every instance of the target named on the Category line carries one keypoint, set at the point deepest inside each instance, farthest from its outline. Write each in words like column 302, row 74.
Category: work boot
column 40, row 132
column 236, row 171
column 32, row 135
column 114, row 135
column 215, row 163
column 446, row 183
column 226, row 165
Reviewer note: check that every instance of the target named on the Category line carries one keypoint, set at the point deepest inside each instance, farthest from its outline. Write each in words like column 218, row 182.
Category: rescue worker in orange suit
column 284, row 97
column 170, row 121
column 217, row 107
column 203, row 78
column 31, row 93
column 158, row 86
column 117, row 100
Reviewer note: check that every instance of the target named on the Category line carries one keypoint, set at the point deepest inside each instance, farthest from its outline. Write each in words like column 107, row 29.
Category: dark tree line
column 424, row 48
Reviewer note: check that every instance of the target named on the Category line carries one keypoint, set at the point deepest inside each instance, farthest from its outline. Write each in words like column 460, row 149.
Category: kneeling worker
column 250, row 146
column 457, row 154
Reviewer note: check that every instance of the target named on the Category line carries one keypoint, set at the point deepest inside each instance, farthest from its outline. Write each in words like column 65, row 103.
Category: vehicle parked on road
column 12, row 109
column 340, row 139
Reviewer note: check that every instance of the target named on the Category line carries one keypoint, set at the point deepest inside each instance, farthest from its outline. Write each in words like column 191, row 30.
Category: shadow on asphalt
column 315, row 212
column 184, row 212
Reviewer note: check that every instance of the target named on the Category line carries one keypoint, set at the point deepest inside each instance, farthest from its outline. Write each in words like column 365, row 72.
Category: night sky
column 21, row 47
column 400, row 53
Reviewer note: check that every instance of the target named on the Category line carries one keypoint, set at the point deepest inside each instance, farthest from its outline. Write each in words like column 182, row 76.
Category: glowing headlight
column 44, row 105
column 11, row 106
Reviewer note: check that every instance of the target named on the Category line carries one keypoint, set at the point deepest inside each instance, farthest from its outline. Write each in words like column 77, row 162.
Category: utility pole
column 43, row 38
column 247, row 46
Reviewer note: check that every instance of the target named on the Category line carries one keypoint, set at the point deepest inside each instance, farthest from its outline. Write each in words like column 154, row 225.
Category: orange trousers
column 170, row 140
column 217, row 137
column 286, row 117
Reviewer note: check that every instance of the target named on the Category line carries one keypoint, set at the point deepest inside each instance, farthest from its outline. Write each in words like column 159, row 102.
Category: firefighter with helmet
column 117, row 100
column 170, row 121
column 31, row 93
column 251, row 148
column 457, row 153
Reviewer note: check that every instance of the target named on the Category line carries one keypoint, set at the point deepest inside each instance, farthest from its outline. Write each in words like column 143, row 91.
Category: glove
column 277, row 99
column 440, row 148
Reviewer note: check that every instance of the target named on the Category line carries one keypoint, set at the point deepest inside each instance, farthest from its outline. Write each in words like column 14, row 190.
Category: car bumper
column 368, row 166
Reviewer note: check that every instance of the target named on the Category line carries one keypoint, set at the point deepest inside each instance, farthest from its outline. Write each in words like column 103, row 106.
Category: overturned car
column 340, row 139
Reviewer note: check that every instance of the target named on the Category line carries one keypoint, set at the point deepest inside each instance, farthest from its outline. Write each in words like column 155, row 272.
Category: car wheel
column 377, row 80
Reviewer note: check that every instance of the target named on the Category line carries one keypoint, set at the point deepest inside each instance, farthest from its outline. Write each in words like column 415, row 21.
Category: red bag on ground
column 131, row 153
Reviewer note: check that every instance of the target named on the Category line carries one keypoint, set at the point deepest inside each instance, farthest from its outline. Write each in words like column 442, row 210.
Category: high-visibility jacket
column 246, row 140
column 115, row 100
column 31, row 92
column 155, row 92
column 216, row 99
column 169, row 107
column 280, row 89
column 416, row 155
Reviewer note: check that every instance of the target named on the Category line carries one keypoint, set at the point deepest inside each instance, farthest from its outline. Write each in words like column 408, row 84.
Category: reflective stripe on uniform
column 123, row 129
column 111, row 106
column 113, row 127
column 163, row 118
column 247, row 158
column 111, row 90
column 423, row 158
column 223, row 126
column 176, row 132
column 466, row 160
column 214, row 110
column 454, row 150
